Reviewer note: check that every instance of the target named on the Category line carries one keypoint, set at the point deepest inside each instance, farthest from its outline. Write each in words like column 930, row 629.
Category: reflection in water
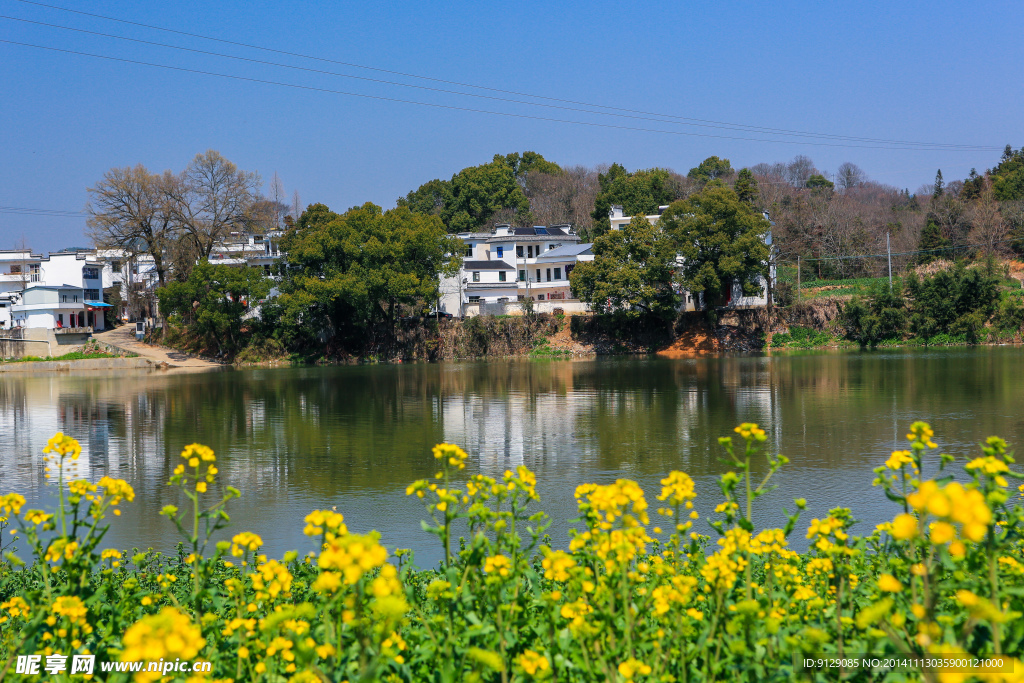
column 354, row 437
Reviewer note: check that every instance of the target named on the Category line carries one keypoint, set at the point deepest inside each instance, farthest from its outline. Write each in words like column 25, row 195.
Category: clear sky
column 936, row 72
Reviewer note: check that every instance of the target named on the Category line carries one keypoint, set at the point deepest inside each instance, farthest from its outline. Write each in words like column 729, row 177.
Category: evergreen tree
column 932, row 243
column 939, row 185
column 746, row 187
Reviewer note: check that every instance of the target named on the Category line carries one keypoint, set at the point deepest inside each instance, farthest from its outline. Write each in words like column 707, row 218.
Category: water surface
column 354, row 437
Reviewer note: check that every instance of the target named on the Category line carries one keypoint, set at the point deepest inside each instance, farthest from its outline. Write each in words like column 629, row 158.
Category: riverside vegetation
column 629, row 599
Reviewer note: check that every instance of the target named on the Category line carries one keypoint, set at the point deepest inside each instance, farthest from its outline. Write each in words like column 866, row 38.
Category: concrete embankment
column 85, row 364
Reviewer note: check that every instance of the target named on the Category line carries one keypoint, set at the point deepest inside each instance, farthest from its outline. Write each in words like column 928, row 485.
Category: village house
column 509, row 265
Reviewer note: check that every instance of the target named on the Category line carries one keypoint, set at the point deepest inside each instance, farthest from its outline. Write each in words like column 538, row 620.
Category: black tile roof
column 486, row 265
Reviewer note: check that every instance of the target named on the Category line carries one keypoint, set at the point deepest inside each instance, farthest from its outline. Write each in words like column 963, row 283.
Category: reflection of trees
column 316, row 434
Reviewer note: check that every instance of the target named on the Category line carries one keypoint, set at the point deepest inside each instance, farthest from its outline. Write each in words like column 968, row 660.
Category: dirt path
column 124, row 338
column 696, row 341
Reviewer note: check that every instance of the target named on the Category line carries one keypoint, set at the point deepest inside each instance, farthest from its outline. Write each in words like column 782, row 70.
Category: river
column 354, row 437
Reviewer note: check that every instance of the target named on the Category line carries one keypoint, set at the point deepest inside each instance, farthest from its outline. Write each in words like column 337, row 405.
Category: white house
column 509, row 265
column 736, row 299
column 19, row 268
column 55, row 307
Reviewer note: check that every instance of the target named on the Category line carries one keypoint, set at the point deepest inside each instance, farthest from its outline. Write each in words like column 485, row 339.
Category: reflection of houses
column 509, row 265
column 736, row 299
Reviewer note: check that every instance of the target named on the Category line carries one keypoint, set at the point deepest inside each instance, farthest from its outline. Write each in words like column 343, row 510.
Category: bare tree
column 799, row 170
column 212, row 198
column 849, row 176
column 988, row 229
column 129, row 210
column 296, row 205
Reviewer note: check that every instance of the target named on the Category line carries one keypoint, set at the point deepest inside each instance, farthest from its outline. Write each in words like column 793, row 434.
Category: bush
column 801, row 338
column 625, row 601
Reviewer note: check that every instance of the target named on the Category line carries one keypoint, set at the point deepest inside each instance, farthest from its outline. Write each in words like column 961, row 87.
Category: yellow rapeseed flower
column 167, row 635
column 534, row 664
column 889, row 583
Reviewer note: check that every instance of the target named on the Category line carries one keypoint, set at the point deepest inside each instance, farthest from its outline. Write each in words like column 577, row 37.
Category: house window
column 500, row 251
column 540, row 297
column 115, row 266
column 75, row 298
column 501, row 276
column 474, row 299
column 63, row 298
column 551, row 246
column 476, row 276
column 529, row 251
column 91, row 273
column 538, row 275
column 522, row 276
column 549, row 275
column 92, row 295
column 469, row 249
column 15, row 270
column 558, row 273
column 519, row 252
column 60, row 319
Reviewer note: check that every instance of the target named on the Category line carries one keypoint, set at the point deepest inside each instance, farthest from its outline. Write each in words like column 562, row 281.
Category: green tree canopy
column 746, row 187
column 710, row 169
column 721, row 241
column 478, row 194
column 1008, row 176
column 213, row 301
column 348, row 273
column 639, row 193
column 819, row 182
column 631, row 272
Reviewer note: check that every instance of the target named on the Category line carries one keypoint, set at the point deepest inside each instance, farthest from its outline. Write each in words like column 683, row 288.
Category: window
column 115, row 266
column 15, row 270
column 529, row 251
column 60, row 319
column 558, row 273
column 549, row 275
column 500, row 251
column 258, row 239
column 63, row 298
column 551, row 246
column 501, row 276
column 522, row 276
column 474, row 299
column 519, row 252
column 469, row 249
column 476, row 276
column 75, row 298
column 91, row 273
column 92, row 295
column 538, row 275
column 540, row 297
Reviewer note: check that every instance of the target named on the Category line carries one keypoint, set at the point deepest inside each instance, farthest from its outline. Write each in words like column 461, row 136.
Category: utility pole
column 888, row 251
column 798, row 278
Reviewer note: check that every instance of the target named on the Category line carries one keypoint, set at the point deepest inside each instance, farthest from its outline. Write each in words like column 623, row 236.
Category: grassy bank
column 634, row 596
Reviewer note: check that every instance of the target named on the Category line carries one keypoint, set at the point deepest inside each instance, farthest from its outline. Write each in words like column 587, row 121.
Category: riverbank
column 83, row 364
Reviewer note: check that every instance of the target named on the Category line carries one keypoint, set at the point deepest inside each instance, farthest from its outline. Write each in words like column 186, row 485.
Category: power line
column 694, row 121
column 439, row 90
column 55, row 213
column 448, row 106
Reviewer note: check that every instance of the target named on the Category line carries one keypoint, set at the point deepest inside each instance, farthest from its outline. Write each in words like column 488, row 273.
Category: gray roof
column 486, row 265
column 567, row 251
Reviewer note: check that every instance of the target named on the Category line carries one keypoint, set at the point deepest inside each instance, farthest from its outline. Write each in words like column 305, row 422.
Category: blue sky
column 938, row 72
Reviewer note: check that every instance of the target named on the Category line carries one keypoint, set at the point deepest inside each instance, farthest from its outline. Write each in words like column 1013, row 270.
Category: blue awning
column 98, row 303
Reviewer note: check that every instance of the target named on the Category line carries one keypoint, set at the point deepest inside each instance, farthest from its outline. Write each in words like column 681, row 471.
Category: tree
column 799, row 170
column 850, row 176
column 212, row 198
column 349, row 272
column 631, row 273
column 939, row 185
column 129, row 210
column 639, row 193
column 213, row 301
column 429, row 198
column 721, row 241
column 528, row 162
column 819, row 182
column 932, row 244
column 746, row 187
column 973, row 187
column 1008, row 176
column 710, row 169
column 566, row 197
column 988, row 229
